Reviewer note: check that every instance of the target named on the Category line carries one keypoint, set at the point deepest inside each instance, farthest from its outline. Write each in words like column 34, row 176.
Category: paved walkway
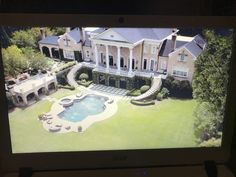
column 109, row 90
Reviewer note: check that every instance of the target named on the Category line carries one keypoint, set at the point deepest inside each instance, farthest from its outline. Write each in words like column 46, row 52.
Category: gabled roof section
column 99, row 30
column 195, row 46
column 51, row 40
column 133, row 35
column 75, row 34
column 166, row 48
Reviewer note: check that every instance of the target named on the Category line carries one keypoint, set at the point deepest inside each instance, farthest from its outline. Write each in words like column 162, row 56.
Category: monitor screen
column 101, row 88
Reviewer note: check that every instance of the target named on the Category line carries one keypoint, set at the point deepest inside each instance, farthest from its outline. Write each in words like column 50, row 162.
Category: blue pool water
column 89, row 105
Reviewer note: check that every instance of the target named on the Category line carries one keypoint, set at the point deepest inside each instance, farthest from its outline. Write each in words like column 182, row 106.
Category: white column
column 130, row 59
column 96, row 54
column 118, row 59
column 107, row 57
column 50, row 51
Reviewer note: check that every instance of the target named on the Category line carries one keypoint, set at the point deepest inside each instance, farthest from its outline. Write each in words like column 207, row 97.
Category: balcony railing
column 123, row 71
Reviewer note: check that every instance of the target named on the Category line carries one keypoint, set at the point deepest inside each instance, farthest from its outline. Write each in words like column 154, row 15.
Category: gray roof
column 166, row 47
column 99, row 30
column 51, row 40
column 195, row 46
column 75, row 34
column 134, row 35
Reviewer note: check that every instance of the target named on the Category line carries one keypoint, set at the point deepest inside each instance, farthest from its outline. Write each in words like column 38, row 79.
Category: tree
column 211, row 70
column 14, row 61
column 28, row 38
column 210, row 84
column 58, row 30
column 35, row 60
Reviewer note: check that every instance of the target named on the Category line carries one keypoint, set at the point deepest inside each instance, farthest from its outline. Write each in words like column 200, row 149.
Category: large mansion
column 128, row 52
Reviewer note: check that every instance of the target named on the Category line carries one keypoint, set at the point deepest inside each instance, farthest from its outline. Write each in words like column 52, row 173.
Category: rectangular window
column 180, row 73
column 87, row 53
column 69, row 54
column 154, row 50
column 146, row 48
column 182, row 56
column 66, row 41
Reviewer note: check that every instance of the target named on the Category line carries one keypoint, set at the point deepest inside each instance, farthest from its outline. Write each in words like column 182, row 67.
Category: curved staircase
column 156, row 85
column 71, row 75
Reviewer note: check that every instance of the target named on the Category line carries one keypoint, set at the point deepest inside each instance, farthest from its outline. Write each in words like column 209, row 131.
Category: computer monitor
column 86, row 91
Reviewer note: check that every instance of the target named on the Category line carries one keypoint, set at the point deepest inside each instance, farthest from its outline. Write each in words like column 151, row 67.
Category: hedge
column 134, row 92
column 65, row 66
column 84, row 83
column 143, row 103
column 66, row 87
column 177, row 88
column 144, row 88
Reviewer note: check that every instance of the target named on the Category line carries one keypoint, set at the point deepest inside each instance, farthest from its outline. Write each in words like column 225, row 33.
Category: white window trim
column 146, row 47
column 153, row 64
column 180, row 71
column 152, row 47
column 65, row 56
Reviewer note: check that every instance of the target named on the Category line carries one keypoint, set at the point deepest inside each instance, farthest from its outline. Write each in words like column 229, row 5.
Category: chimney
column 42, row 32
column 173, row 42
column 82, row 34
column 67, row 29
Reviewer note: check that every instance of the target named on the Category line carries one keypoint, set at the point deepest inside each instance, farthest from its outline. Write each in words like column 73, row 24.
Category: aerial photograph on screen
column 93, row 88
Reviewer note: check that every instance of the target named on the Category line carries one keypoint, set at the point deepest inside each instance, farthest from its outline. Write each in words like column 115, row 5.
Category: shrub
column 66, row 87
column 65, row 66
column 143, row 103
column 84, row 83
column 213, row 142
column 134, row 92
column 159, row 96
column 83, row 76
column 80, row 128
column 144, row 88
column 165, row 92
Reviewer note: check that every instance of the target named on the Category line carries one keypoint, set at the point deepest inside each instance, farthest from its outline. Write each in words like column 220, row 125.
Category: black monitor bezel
column 117, row 158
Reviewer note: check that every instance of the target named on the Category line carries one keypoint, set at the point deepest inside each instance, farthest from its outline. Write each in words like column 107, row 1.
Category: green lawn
column 167, row 124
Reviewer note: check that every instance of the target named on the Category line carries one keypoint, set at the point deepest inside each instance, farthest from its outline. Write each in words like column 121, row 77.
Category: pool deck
column 53, row 123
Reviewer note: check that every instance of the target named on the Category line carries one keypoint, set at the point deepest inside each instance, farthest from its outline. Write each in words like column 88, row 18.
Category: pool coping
column 53, row 123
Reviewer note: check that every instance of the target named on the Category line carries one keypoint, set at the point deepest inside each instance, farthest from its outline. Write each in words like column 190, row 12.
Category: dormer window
column 183, row 56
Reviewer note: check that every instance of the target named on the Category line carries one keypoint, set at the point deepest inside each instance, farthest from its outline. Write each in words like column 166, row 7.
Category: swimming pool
column 89, row 105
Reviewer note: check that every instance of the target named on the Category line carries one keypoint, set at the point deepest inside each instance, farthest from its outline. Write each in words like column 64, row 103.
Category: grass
column 162, row 125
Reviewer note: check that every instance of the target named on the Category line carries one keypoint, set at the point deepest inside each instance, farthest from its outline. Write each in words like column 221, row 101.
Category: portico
column 109, row 50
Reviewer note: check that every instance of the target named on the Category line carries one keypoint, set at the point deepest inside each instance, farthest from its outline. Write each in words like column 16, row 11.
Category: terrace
column 30, row 90
column 123, row 71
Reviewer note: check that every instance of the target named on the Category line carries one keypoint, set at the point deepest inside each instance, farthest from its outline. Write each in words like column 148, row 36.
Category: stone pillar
column 107, row 57
column 130, row 59
column 96, row 54
column 35, row 92
column 118, row 59
column 24, row 99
